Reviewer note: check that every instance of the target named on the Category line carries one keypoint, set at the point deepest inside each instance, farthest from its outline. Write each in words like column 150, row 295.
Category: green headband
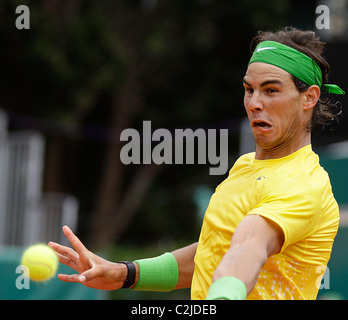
column 296, row 63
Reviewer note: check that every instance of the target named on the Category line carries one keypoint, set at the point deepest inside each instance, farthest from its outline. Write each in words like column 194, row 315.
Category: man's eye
column 271, row 90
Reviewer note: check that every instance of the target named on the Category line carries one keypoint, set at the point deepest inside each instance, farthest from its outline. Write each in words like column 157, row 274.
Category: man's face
column 274, row 108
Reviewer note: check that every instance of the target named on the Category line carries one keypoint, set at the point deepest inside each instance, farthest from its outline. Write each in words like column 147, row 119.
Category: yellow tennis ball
column 42, row 262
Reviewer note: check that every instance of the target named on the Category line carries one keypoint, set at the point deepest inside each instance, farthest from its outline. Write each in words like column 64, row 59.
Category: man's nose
column 255, row 103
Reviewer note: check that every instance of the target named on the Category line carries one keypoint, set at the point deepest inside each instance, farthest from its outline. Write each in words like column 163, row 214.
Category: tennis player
column 270, row 226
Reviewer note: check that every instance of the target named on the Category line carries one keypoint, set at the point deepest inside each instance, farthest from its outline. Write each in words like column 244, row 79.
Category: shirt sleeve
column 294, row 207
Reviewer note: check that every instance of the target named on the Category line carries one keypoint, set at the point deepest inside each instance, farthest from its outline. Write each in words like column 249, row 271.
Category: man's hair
column 326, row 112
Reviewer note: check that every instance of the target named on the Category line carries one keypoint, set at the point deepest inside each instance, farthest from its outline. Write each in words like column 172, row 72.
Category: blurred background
column 85, row 71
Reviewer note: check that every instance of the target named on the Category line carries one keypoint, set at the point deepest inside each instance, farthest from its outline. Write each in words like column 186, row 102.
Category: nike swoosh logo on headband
column 265, row 48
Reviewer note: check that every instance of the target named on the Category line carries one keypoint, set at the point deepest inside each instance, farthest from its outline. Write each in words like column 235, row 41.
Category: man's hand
column 93, row 271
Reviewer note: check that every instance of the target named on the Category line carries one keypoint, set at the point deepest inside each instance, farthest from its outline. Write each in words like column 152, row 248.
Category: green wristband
column 229, row 288
column 157, row 274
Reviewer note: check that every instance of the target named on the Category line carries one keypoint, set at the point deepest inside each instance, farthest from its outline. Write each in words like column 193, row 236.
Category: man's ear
column 311, row 97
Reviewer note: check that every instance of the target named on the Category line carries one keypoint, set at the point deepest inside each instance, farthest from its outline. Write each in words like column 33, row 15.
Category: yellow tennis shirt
column 295, row 193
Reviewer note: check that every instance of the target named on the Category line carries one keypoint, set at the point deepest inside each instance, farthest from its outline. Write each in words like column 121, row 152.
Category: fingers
column 78, row 260
column 91, row 274
column 75, row 241
column 63, row 251
column 83, row 277
column 70, row 277
column 65, row 255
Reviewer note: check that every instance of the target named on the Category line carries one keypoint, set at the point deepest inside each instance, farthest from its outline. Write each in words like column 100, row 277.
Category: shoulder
column 299, row 175
column 244, row 160
column 295, row 187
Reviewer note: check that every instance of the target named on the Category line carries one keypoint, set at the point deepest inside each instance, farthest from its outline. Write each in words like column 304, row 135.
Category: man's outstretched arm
column 185, row 259
column 96, row 272
column 254, row 241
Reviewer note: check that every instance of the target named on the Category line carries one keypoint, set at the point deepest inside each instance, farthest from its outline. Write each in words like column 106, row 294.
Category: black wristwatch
column 130, row 275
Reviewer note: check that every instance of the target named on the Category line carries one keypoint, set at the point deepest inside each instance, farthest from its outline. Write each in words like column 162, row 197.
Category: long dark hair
column 326, row 112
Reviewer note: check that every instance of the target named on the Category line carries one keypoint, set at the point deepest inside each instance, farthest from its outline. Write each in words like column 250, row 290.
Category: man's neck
column 282, row 150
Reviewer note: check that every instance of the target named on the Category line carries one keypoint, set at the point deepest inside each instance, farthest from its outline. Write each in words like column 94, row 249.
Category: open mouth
column 261, row 124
